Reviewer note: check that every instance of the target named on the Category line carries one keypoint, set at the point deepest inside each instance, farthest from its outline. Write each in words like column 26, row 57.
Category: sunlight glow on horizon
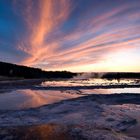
column 119, row 62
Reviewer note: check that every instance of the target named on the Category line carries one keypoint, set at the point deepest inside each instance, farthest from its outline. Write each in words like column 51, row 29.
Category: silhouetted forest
column 13, row 70
column 121, row 75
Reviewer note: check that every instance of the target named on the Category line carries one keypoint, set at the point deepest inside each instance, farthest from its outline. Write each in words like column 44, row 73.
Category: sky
column 73, row 35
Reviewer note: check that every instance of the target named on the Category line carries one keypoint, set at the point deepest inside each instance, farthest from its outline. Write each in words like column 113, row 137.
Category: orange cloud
column 91, row 42
column 51, row 14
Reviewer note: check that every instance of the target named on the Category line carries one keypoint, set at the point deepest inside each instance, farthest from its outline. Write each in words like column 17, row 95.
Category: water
column 23, row 99
column 112, row 91
column 27, row 98
column 90, row 82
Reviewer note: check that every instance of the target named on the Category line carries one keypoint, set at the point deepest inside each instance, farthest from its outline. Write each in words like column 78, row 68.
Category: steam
column 86, row 76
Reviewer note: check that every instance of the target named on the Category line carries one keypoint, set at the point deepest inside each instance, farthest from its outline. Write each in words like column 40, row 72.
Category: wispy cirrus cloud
column 66, row 34
column 50, row 15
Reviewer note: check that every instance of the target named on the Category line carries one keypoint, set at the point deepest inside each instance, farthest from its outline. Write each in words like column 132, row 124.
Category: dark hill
column 121, row 75
column 13, row 70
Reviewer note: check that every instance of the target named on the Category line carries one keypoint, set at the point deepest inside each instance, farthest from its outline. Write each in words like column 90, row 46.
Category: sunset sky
column 73, row 35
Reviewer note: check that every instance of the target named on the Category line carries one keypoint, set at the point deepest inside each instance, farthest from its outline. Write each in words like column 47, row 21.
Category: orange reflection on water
column 23, row 99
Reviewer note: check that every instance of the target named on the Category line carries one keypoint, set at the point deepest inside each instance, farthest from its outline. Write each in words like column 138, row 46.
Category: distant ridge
column 121, row 75
column 13, row 70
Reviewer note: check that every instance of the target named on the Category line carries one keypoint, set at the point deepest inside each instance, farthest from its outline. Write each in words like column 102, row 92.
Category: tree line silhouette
column 13, row 70
column 121, row 75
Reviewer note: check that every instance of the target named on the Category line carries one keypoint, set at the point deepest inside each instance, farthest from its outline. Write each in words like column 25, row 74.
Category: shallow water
column 23, row 99
column 112, row 91
column 90, row 82
column 27, row 98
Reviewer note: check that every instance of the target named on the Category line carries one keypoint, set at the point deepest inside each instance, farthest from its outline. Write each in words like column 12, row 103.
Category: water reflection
column 90, row 82
column 22, row 99
column 39, row 132
column 111, row 91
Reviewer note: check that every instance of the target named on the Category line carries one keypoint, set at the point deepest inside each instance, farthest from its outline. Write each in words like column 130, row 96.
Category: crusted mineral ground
column 93, row 117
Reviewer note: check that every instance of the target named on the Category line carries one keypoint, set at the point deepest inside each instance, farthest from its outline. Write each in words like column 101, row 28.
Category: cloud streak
column 49, row 18
column 65, row 34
